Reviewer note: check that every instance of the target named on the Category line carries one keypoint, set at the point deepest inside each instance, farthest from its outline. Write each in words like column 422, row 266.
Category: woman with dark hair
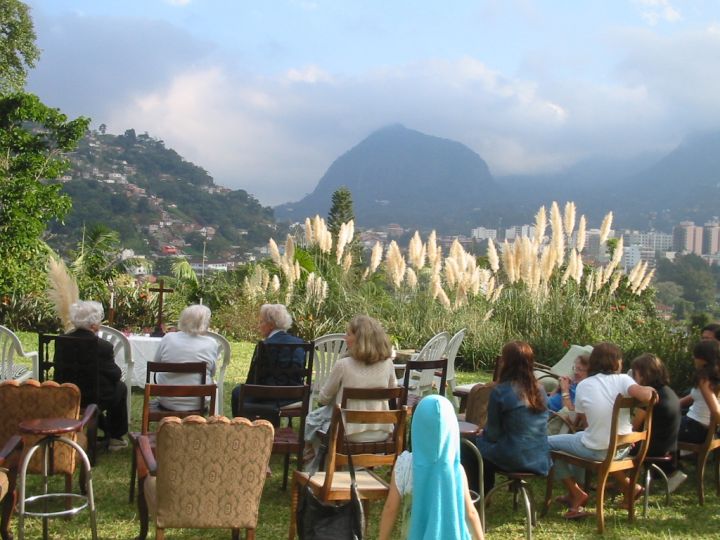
column 515, row 436
column 595, row 398
column 649, row 370
column 702, row 399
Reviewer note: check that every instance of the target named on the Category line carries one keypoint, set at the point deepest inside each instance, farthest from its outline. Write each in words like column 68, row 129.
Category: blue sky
column 266, row 94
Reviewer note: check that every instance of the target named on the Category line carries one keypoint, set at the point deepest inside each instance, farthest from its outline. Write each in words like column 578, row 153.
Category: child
column 441, row 504
column 703, row 397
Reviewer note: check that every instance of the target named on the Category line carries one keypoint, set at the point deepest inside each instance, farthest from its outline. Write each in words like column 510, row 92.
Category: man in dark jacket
column 86, row 317
column 273, row 324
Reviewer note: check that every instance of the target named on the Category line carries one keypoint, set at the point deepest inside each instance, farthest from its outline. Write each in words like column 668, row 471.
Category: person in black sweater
column 86, row 317
column 649, row 370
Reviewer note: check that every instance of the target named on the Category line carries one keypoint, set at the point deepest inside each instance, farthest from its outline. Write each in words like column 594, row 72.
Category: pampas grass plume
column 493, row 256
column 580, row 237
column 63, row 291
column 605, row 227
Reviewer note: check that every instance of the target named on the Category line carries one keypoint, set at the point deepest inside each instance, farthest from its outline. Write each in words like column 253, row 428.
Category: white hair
column 277, row 315
column 85, row 313
column 194, row 319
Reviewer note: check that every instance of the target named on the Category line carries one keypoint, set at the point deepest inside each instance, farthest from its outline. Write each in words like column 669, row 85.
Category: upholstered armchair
column 31, row 400
column 204, row 474
column 8, row 476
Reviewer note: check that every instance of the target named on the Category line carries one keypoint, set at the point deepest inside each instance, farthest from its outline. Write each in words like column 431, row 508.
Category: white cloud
column 654, row 11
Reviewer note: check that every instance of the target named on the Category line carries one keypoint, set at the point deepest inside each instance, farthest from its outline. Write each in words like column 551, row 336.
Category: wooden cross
column 159, row 332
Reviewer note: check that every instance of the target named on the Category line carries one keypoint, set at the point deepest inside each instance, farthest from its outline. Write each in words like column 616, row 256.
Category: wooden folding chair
column 603, row 468
column 334, row 484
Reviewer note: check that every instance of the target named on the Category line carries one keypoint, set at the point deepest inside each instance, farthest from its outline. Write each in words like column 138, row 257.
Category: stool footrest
column 48, row 496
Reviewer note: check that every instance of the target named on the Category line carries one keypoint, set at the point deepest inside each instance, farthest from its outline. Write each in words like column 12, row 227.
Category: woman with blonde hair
column 368, row 365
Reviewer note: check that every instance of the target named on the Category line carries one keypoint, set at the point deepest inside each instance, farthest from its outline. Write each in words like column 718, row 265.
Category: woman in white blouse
column 368, row 365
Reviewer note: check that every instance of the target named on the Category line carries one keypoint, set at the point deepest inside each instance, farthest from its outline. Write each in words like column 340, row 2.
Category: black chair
column 439, row 366
column 279, row 364
column 286, row 440
column 46, row 349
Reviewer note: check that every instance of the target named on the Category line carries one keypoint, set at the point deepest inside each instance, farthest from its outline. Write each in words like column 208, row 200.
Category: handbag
column 320, row 520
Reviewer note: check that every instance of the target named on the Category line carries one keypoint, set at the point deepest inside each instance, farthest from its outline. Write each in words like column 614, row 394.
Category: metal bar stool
column 51, row 431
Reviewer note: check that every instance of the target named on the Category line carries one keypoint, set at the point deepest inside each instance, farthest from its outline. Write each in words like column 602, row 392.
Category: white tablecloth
column 143, row 351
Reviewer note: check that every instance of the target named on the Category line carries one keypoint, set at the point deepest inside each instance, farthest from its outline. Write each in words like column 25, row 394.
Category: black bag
column 318, row 520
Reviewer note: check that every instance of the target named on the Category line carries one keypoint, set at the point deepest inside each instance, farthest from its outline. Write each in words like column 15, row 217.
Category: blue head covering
column 438, row 507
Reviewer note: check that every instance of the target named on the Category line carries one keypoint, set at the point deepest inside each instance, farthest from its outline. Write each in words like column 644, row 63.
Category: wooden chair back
column 395, row 397
column 201, row 391
column 336, row 436
column 703, row 451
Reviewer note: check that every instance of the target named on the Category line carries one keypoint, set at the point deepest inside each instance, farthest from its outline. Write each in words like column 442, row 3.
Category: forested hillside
column 154, row 198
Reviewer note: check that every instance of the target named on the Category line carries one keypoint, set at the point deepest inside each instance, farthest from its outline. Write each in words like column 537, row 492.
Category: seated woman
column 702, row 400
column 649, row 370
column 187, row 345
column 274, row 321
column 367, row 366
column 86, row 317
column 595, row 398
column 441, row 503
column 564, row 396
column 515, row 436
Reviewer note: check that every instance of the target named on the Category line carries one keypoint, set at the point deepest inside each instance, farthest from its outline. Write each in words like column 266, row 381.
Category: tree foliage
column 33, row 138
column 341, row 210
column 18, row 51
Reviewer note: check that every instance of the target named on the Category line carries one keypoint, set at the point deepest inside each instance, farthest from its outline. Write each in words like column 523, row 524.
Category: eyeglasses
column 580, row 369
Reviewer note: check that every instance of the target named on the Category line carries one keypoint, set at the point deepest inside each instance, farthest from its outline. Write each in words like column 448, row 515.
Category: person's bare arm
column 390, row 511
column 471, row 516
column 641, row 393
column 565, row 393
column 709, row 397
column 686, row 401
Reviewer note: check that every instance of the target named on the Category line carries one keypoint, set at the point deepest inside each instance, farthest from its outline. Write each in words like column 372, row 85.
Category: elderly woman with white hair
column 274, row 321
column 187, row 345
column 86, row 317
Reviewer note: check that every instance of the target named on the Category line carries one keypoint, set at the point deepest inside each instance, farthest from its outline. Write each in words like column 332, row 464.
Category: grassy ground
column 118, row 520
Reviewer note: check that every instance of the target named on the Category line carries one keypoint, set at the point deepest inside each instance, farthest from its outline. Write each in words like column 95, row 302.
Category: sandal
column 576, row 513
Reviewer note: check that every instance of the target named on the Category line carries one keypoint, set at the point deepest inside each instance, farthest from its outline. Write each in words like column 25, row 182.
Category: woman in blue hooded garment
column 441, row 505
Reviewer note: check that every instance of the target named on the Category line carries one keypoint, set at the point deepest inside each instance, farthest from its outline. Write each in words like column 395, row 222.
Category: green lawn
column 118, row 520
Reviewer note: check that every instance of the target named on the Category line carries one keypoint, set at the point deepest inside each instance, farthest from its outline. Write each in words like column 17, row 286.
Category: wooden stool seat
column 50, row 426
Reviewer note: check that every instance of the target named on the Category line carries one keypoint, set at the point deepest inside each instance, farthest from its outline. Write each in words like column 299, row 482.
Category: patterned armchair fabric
column 29, row 400
column 210, row 473
column 4, row 483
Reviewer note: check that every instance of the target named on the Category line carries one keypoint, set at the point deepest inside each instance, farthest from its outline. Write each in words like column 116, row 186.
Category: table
column 143, row 351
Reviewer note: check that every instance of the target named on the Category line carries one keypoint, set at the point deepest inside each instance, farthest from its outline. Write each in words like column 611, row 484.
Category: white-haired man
column 273, row 324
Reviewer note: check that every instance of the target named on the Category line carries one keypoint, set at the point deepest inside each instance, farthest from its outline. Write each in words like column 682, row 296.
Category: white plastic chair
column 451, row 351
column 328, row 349
column 122, row 351
column 224, row 350
column 10, row 347
column 421, row 381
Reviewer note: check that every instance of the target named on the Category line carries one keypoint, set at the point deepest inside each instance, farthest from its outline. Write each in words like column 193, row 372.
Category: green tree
column 33, row 138
column 341, row 210
column 18, row 51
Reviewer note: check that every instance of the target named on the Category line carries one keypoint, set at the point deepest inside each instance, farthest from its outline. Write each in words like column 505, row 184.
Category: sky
column 266, row 94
